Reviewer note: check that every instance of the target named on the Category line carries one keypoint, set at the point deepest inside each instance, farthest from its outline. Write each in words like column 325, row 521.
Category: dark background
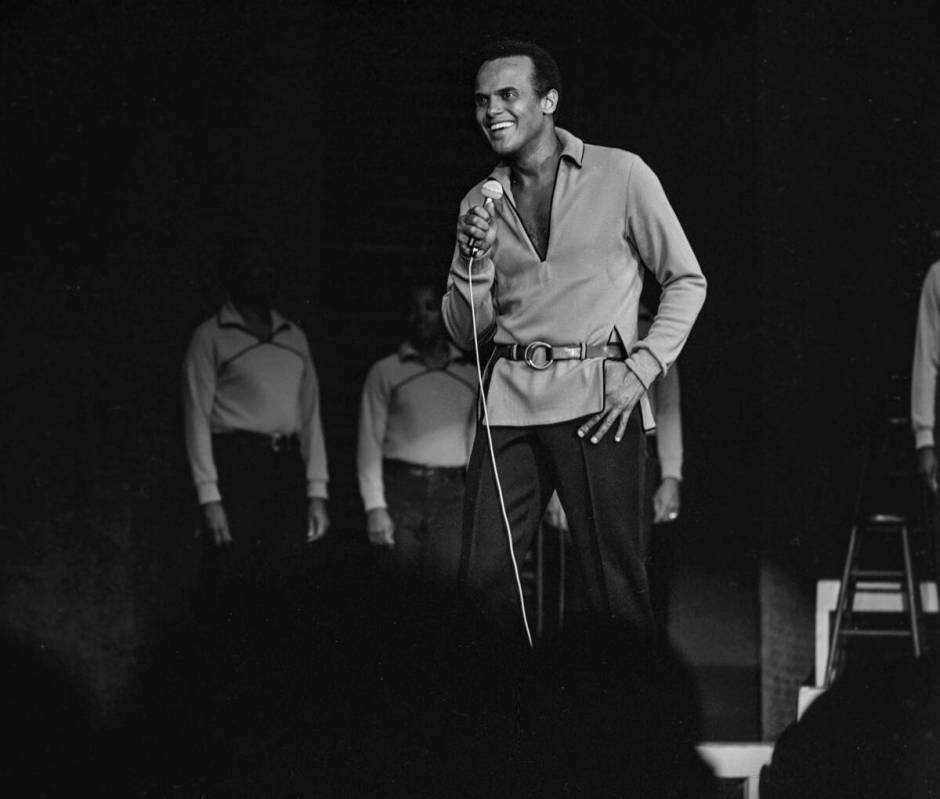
column 799, row 146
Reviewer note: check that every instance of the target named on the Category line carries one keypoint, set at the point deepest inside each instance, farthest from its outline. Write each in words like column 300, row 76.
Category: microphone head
column 492, row 190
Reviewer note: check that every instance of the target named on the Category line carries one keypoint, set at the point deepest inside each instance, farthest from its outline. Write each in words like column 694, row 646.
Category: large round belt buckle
column 532, row 348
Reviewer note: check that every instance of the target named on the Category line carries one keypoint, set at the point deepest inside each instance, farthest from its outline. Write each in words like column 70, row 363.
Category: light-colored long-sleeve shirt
column 410, row 412
column 926, row 359
column 665, row 397
column 609, row 217
column 232, row 380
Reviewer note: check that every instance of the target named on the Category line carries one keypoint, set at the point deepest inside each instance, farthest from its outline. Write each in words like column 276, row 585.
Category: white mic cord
column 489, row 437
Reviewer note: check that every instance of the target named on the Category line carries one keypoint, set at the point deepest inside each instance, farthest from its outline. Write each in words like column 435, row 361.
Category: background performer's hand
column 666, row 501
column 927, row 467
column 318, row 520
column 216, row 524
column 381, row 527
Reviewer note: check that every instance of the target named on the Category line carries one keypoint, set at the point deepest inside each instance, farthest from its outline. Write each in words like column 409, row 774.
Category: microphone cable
column 489, row 437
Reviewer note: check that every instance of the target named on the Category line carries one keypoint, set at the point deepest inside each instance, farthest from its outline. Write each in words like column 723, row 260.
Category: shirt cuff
column 671, row 468
column 316, row 489
column 923, row 438
column 208, row 492
column 483, row 268
column 645, row 366
column 373, row 497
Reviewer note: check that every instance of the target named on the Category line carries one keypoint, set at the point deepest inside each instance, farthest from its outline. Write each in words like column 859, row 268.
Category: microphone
column 492, row 190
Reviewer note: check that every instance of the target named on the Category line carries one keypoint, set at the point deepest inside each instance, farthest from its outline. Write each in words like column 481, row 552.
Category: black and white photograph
column 507, row 399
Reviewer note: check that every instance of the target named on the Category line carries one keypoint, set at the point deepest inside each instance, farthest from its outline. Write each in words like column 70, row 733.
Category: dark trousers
column 656, row 544
column 264, row 497
column 601, row 487
column 426, row 506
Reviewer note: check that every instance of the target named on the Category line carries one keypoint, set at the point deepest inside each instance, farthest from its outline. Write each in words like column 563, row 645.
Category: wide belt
column 420, row 470
column 541, row 354
column 277, row 442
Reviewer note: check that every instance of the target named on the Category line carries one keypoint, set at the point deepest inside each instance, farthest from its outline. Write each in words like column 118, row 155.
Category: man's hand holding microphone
column 476, row 229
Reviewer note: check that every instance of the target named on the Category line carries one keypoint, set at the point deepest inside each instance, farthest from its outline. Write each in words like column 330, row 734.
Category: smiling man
column 554, row 272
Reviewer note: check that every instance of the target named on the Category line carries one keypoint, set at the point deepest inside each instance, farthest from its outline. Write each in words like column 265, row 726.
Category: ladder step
column 876, row 573
column 875, row 633
column 883, row 523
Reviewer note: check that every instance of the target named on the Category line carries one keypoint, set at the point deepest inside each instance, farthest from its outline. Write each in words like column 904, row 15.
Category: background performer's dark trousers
column 426, row 505
column 602, row 489
column 659, row 541
column 264, row 497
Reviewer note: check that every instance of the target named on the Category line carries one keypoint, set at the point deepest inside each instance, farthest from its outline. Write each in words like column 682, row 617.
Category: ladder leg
column 844, row 592
column 913, row 604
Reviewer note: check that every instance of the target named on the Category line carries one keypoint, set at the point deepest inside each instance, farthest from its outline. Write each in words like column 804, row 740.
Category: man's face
column 424, row 316
column 508, row 109
column 255, row 278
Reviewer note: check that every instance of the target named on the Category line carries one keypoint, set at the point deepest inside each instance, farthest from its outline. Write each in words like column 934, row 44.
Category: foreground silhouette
column 341, row 685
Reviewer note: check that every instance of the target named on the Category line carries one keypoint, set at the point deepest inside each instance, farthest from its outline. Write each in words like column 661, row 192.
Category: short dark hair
column 545, row 73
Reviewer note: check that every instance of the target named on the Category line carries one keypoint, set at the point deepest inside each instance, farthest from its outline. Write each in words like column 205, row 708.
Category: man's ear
column 550, row 102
